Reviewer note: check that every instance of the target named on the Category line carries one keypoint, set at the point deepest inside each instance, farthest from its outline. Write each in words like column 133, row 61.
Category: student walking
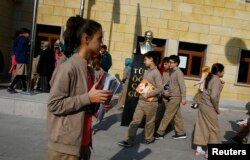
column 165, row 93
column 144, row 106
column 173, row 102
column 207, row 129
column 21, row 49
column 73, row 94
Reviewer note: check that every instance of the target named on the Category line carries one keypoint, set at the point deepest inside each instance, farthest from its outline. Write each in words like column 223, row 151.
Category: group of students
column 74, row 96
column 171, row 87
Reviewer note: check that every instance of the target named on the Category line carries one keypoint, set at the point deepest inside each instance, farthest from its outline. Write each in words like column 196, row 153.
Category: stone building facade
column 203, row 32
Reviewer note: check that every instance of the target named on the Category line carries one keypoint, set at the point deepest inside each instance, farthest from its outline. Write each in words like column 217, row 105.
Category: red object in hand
column 99, row 83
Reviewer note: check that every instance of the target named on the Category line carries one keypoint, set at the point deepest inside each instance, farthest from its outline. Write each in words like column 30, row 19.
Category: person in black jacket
column 106, row 58
column 45, row 67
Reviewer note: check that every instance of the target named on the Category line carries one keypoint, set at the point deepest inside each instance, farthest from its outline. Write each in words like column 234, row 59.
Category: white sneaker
column 198, row 153
column 206, row 155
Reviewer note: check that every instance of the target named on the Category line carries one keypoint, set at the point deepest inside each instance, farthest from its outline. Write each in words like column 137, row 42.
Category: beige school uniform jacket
column 211, row 96
column 68, row 97
column 177, row 84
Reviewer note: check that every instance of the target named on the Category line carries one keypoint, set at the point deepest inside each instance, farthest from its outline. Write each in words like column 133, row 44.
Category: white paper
column 183, row 62
column 111, row 83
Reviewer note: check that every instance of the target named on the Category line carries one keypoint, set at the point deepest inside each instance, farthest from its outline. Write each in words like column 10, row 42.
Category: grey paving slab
column 26, row 138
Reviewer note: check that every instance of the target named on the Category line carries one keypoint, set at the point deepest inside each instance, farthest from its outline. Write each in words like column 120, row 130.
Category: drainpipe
column 81, row 8
column 32, row 45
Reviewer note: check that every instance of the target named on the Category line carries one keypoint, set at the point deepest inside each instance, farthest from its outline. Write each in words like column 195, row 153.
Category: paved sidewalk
column 25, row 138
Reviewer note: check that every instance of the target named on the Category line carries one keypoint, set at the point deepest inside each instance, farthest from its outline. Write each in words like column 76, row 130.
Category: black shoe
column 195, row 106
column 125, row 144
column 149, row 142
column 236, row 140
column 183, row 136
column 158, row 136
column 24, row 89
column 11, row 90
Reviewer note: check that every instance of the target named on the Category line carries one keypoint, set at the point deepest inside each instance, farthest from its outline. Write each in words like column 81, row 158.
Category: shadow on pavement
column 235, row 127
column 193, row 146
column 229, row 134
column 107, row 123
column 133, row 153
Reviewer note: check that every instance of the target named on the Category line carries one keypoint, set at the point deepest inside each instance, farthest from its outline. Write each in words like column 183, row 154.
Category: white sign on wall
column 183, row 62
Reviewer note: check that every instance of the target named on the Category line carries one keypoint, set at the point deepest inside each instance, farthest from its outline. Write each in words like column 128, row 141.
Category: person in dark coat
column 21, row 48
column 45, row 67
column 106, row 58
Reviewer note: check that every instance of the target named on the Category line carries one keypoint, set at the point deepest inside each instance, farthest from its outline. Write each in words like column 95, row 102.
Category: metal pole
column 32, row 44
column 81, row 8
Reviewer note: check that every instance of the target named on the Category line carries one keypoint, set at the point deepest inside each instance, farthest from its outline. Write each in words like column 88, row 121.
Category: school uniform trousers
column 147, row 109
column 172, row 111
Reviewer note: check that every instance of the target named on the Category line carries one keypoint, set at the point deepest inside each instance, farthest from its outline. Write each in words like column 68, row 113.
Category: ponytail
column 70, row 34
column 208, row 79
column 76, row 26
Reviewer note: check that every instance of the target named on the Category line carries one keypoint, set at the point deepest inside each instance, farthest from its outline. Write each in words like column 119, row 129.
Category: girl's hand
column 222, row 83
column 99, row 96
column 217, row 111
column 145, row 95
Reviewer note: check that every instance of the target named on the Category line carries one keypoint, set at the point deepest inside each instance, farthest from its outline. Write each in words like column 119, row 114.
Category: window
column 244, row 67
column 192, row 58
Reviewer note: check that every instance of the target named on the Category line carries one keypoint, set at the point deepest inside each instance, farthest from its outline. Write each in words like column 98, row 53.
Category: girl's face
column 94, row 44
column 220, row 74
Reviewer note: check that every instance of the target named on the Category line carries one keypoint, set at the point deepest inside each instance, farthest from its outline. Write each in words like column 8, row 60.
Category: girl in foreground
column 73, row 95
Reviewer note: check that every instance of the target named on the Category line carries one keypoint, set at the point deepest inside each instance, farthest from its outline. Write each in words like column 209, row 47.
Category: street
column 26, row 138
